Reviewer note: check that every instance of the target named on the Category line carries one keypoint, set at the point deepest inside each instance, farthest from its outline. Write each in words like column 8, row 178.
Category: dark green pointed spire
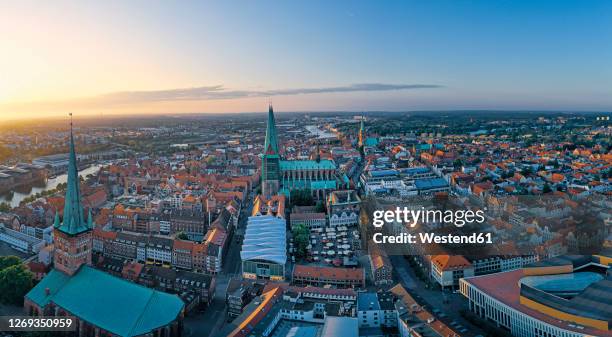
column 271, row 143
column 74, row 220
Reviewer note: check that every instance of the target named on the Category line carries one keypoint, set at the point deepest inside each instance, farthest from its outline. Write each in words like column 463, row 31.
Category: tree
column 15, row 282
column 320, row 207
column 5, row 207
column 182, row 236
column 8, row 261
column 300, row 235
column 526, row 171
column 302, row 197
column 546, row 189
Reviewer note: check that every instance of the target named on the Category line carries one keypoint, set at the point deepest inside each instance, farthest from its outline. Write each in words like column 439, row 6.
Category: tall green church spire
column 271, row 143
column 74, row 221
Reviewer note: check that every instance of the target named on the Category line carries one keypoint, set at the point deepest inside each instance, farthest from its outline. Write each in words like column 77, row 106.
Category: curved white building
column 264, row 249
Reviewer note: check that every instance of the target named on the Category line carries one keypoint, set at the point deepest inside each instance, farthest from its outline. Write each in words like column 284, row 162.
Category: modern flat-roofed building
column 568, row 296
column 56, row 162
column 431, row 185
column 264, row 249
column 20, row 241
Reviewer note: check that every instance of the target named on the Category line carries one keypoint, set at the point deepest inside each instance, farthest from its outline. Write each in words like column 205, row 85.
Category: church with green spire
column 72, row 235
column 100, row 304
column 282, row 176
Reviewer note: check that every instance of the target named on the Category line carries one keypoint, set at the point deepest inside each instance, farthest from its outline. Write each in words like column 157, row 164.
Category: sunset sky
column 95, row 57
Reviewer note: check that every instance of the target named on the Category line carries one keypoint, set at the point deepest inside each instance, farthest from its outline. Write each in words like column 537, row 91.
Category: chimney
column 47, row 291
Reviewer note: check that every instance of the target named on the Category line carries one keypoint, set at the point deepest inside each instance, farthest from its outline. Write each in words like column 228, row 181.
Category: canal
column 25, row 191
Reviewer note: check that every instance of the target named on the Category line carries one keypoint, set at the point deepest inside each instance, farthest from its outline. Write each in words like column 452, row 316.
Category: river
column 23, row 192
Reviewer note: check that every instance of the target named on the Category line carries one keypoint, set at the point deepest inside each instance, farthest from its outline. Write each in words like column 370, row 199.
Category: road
column 446, row 306
column 205, row 324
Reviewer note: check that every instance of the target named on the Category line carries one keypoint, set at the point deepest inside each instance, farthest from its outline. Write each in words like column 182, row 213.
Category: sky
column 112, row 57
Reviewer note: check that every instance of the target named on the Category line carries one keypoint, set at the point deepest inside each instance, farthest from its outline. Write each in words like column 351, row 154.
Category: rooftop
column 111, row 303
column 430, row 183
column 293, row 165
column 510, row 295
column 265, row 239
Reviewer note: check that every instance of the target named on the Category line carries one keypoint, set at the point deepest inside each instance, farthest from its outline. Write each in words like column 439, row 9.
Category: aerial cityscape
column 220, row 222
column 294, row 169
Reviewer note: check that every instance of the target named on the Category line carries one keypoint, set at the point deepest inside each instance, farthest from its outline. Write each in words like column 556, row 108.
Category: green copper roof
column 74, row 220
column 111, row 303
column 371, row 141
column 292, row 165
column 323, row 185
column 271, row 143
column 300, row 184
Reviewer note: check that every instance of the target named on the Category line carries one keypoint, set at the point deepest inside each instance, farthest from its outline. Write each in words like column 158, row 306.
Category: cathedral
column 101, row 304
column 282, row 176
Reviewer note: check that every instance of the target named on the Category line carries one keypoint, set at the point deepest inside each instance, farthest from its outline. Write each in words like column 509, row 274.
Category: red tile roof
column 328, row 273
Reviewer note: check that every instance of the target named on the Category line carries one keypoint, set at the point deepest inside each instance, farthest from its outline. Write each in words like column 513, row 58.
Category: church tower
column 73, row 235
column 362, row 136
column 270, row 164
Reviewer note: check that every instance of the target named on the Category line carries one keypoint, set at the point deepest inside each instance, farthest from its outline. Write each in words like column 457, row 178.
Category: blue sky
column 473, row 54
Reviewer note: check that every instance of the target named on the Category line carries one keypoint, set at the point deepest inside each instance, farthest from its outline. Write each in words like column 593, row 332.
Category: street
column 206, row 323
column 446, row 306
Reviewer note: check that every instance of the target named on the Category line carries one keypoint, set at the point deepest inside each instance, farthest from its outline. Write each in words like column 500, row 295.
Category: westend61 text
column 428, row 238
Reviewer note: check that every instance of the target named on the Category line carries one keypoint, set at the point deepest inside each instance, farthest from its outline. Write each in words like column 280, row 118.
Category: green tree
column 320, row 207
column 526, row 171
column 302, row 197
column 5, row 207
column 182, row 236
column 8, row 261
column 300, row 235
column 546, row 189
column 15, row 282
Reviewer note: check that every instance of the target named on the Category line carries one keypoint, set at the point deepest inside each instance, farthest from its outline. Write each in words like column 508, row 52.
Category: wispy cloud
column 217, row 92
column 145, row 99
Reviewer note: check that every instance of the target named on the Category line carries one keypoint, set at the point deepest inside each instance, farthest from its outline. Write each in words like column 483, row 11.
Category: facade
column 20, row 241
column 283, row 176
column 565, row 296
column 205, row 257
column 311, row 220
column 448, row 269
column 274, row 205
column 264, row 249
column 381, row 267
column 323, row 276
column 376, row 310
column 343, row 208
column 194, row 224
column 193, row 287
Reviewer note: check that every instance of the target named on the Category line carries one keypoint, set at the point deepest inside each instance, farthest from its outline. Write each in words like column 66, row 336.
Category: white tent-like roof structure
column 265, row 239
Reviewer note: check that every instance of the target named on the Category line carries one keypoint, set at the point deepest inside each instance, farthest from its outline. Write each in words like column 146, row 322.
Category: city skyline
column 127, row 58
